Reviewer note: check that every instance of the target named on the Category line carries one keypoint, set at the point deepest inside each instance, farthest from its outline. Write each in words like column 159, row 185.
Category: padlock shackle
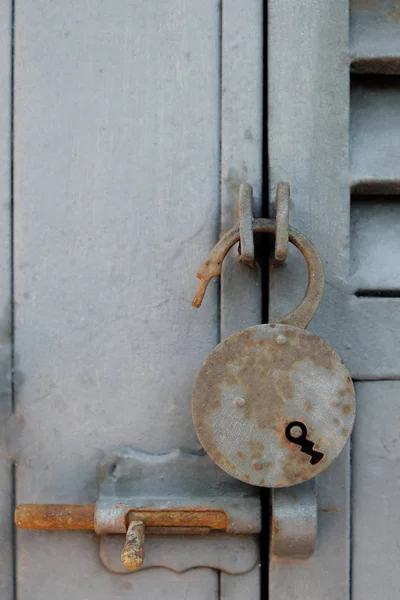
column 304, row 312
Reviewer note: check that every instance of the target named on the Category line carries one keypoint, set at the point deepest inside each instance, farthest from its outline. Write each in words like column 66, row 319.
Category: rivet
column 257, row 466
column 239, row 402
column 281, row 339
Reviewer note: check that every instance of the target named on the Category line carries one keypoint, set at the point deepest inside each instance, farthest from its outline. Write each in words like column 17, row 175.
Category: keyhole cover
column 258, row 382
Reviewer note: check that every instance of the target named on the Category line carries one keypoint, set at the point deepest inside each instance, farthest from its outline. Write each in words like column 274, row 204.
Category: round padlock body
column 273, row 405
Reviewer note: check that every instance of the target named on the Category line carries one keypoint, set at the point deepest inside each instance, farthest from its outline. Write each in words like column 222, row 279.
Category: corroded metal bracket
column 186, row 495
column 180, row 488
column 294, row 522
column 245, row 210
column 246, row 218
column 179, row 493
column 282, row 202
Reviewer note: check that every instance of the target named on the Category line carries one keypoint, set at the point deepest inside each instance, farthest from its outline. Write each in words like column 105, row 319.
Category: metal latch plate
column 133, row 482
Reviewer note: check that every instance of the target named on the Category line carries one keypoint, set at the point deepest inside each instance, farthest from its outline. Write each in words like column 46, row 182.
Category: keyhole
column 296, row 432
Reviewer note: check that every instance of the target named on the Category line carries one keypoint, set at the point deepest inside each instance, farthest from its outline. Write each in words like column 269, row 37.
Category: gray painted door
column 334, row 125
column 126, row 129
column 133, row 124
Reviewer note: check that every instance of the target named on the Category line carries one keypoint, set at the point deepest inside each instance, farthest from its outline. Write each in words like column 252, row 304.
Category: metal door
column 127, row 129
column 334, row 117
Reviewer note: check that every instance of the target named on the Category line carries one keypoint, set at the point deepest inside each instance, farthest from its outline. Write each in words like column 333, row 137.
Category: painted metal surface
column 374, row 36
column 6, row 333
column 375, row 267
column 294, row 521
column 231, row 554
column 334, row 160
column 109, row 103
column 237, row 587
column 282, row 202
column 308, row 95
column 102, row 83
column 241, row 162
column 245, row 210
column 241, row 152
column 178, row 487
column 376, row 487
column 375, row 117
column 64, row 150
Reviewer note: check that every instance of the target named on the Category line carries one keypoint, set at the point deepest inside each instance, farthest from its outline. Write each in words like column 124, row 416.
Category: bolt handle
column 132, row 554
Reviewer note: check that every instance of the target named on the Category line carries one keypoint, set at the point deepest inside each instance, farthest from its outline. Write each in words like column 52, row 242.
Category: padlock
column 273, row 405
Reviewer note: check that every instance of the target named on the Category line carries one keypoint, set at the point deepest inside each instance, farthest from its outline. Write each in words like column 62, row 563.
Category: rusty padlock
column 273, row 405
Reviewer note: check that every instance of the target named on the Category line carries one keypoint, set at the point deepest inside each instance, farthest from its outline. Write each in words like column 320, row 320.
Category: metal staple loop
column 282, row 200
column 294, row 522
column 246, row 248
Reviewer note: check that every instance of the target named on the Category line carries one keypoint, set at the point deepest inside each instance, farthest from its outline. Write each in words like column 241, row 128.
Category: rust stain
column 81, row 517
column 348, row 390
column 329, row 510
column 275, row 524
column 55, row 516
column 132, row 554
column 256, row 449
column 192, row 516
column 299, row 470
